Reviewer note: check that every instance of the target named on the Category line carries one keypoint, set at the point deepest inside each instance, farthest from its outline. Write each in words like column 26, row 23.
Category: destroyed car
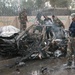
column 18, row 43
column 33, row 43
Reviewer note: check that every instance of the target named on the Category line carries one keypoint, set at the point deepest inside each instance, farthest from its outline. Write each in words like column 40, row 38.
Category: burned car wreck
column 32, row 43
column 19, row 43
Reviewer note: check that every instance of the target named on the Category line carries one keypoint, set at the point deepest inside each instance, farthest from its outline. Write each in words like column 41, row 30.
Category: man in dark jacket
column 71, row 45
column 57, row 21
column 72, row 27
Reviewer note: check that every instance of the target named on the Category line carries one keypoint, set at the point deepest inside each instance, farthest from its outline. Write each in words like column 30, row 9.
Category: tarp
column 7, row 31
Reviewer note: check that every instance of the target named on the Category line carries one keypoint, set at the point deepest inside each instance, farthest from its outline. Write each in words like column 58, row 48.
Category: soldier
column 23, row 19
column 38, row 17
column 57, row 21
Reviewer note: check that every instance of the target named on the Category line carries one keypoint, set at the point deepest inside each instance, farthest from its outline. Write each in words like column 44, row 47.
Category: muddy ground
column 40, row 67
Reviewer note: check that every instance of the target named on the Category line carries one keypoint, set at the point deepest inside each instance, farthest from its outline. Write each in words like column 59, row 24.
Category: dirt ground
column 40, row 67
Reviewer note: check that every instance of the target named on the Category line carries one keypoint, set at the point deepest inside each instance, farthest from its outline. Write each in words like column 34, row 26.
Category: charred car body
column 33, row 43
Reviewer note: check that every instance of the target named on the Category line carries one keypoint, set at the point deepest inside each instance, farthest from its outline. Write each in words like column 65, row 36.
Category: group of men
column 48, row 22
column 23, row 20
column 71, row 30
column 54, row 20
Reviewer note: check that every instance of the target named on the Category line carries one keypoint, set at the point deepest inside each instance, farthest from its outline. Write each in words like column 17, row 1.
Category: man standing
column 23, row 19
column 48, row 21
column 72, row 42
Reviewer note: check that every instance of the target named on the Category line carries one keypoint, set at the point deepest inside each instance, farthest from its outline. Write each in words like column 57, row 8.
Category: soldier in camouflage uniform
column 57, row 21
column 38, row 17
column 23, row 20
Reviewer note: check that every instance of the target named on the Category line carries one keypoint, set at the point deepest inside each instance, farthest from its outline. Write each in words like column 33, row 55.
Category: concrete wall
column 13, row 20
